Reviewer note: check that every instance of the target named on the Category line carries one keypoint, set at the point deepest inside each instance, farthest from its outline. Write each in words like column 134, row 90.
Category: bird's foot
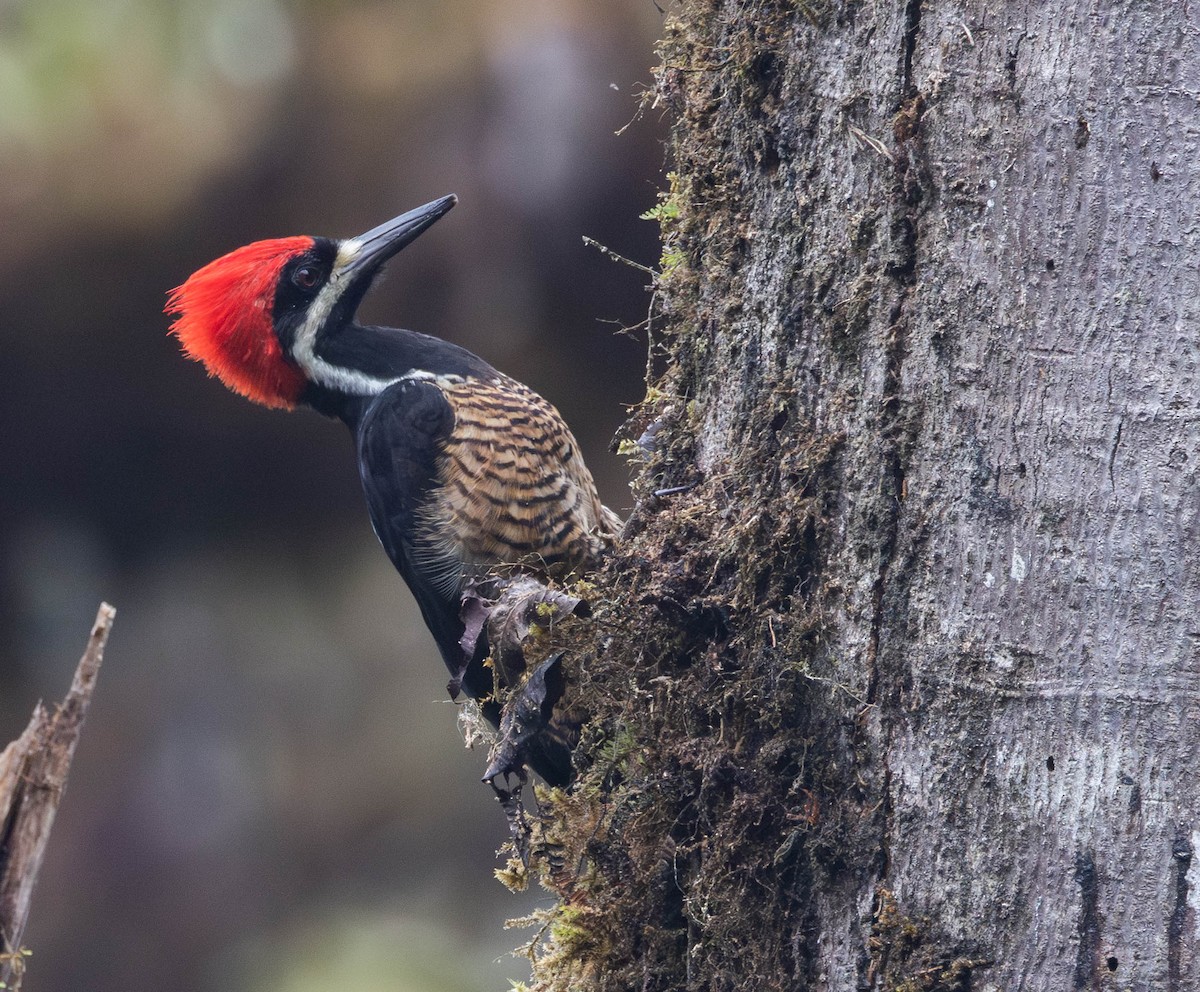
column 522, row 722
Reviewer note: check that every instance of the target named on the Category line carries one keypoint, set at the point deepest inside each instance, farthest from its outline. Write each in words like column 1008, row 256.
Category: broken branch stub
column 33, row 775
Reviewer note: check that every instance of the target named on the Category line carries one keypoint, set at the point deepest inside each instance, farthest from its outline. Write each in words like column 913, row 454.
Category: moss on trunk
column 856, row 613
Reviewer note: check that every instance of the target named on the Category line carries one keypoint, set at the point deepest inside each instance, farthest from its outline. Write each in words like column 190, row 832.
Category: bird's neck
column 353, row 364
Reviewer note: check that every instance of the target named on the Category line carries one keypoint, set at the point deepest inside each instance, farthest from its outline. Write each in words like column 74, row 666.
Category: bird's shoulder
column 399, row 437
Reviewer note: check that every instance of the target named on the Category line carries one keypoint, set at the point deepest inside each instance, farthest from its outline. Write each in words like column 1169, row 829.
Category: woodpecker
column 467, row 473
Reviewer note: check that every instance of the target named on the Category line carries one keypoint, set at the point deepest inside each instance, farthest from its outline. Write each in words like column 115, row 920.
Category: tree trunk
column 892, row 683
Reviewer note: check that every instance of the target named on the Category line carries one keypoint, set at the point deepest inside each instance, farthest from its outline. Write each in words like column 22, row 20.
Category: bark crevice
column 943, row 590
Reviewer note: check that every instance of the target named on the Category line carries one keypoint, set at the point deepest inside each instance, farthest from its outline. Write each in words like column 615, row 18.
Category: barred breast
column 513, row 488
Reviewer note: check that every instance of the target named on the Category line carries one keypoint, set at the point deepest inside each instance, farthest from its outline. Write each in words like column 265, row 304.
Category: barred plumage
column 511, row 488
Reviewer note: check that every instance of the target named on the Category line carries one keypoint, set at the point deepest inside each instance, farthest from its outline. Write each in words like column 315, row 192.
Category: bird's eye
column 306, row 277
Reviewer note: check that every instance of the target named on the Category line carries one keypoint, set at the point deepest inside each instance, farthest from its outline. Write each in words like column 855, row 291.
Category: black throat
column 383, row 354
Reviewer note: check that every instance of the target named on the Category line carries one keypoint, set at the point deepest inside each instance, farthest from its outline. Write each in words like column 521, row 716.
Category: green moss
column 703, row 810
column 16, row 961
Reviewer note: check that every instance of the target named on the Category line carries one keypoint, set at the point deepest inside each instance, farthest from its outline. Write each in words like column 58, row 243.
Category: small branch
column 33, row 775
column 609, row 253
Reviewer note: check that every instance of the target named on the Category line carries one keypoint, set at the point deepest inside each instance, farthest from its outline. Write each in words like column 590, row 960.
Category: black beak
column 382, row 242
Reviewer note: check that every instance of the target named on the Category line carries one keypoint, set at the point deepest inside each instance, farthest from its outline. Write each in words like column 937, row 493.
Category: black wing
column 399, row 440
column 402, row 439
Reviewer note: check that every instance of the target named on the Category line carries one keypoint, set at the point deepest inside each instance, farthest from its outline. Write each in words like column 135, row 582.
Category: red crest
column 223, row 319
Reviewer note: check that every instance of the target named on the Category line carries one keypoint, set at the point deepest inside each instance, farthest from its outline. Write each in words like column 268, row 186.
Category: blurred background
column 271, row 794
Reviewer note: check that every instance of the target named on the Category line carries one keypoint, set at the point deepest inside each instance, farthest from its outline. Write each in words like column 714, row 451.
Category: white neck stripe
column 322, row 373
column 304, row 347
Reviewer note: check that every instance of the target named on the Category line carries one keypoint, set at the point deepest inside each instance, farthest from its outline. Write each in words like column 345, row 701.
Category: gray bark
column 1043, row 636
column 33, row 777
column 900, row 694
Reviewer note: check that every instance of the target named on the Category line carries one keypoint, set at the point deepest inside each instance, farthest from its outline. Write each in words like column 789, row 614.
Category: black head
column 320, row 289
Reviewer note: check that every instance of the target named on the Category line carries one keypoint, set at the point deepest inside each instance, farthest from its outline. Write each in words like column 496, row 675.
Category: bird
column 467, row 473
